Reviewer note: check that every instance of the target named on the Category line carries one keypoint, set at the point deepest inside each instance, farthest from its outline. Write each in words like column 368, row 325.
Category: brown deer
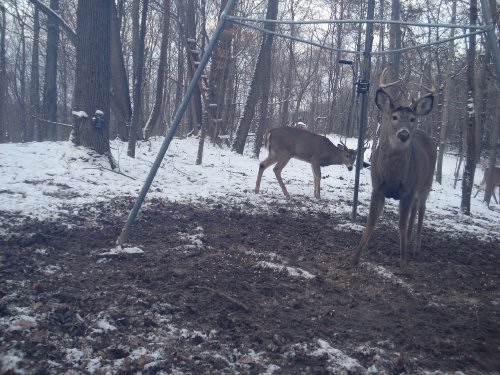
column 287, row 142
column 495, row 178
column 402, row 167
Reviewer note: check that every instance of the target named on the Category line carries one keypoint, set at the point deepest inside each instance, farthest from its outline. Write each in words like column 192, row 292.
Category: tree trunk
column 135, row 124
column 263, row 63
column 32, row 130
column 495, row 129
column 394, row 62
column 49, row 106
column 154, row 118
column 92, row 77
column 120, row 98
column 446, row 99
column 197, row 111
column 287, row 92
column 470, row 160
column 21, row 136
column 3, row 76
column 219, row 76
column 264, row 103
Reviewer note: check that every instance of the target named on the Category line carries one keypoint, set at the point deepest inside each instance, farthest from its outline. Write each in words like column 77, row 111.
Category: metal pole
column 491, row 37
column 363, row 86
column 175, row 123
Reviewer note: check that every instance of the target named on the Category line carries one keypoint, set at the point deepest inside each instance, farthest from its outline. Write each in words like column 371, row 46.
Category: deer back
column 304, row 145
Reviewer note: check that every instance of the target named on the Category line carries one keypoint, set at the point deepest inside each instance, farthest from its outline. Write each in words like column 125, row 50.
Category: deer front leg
column 405, row 206
column 418, row 238
column 376, row 206
column 262, row 167
column 316, row 169
column 411, row 221
column 277, row 171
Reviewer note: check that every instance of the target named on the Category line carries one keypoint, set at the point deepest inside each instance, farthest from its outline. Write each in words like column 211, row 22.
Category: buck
column 287, row 142
column 495, row 179
column 402, row 167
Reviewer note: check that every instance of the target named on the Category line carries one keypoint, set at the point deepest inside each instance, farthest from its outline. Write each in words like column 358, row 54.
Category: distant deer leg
column 317, row 179
column 262, row 167
column 277, row 171
column 376, row 207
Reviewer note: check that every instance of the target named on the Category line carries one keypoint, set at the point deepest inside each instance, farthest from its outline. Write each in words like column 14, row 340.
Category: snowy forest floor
column 211, row 288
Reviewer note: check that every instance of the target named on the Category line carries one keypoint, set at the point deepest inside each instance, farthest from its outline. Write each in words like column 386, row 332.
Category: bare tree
column 470, row 161
column 49, row 104
column 446, row 99
column 219, row 77
column 3, row 75
column 135, row 125
column 495, row 131
column 256, row 87
column 32, row 130
column 92, row 82
column 120, row 98
column 154, row 117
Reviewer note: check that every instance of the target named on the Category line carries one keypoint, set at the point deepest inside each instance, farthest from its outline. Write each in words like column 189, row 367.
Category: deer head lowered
column 286, row 143
column 402, row 167
column 495, row 181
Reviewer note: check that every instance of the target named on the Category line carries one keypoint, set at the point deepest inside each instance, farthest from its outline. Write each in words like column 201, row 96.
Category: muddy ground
column 220, row 291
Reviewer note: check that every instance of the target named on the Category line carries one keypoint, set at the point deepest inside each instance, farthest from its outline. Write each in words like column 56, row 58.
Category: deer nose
column 403, row 135
column 349, row 167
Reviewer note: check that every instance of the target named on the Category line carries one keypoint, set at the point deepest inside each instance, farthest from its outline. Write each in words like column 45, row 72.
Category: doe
column 287, row 142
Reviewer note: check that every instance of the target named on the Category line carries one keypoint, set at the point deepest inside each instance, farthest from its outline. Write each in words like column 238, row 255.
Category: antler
column 383, row 85
column 343, row 143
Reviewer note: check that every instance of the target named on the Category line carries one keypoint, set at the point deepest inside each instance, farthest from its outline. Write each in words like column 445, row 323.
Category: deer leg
column 277, row 171
column 317, row 179
column 405, row 206
column 418, row 239
column 262, row 167
column 376, row 207
column 411, row 222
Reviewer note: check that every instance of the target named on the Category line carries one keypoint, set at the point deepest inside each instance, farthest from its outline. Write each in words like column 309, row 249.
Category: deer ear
column 423, row 105
column 384, row 101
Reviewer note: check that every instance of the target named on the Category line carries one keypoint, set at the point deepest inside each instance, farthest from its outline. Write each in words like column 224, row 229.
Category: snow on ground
column 43, row 180
column 48, row 179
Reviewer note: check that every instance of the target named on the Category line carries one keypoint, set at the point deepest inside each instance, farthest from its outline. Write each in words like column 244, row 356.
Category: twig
column 224, row 295
column 121, row 173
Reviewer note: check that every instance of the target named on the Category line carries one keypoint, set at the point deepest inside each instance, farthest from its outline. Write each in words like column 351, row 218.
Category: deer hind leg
column 376, row 207
column 277, row 171
column 270, row 160
column 317, row 179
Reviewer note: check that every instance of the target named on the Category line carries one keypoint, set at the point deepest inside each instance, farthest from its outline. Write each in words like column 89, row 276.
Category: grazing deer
column 495, row 178
column 402, row 167
column 287, row 142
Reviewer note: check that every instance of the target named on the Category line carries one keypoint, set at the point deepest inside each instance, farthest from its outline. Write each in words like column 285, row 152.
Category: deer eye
column 394, row 117
column 412, row 119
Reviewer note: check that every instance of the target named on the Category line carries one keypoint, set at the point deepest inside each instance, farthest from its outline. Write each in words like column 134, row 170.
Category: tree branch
column 62, row 23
